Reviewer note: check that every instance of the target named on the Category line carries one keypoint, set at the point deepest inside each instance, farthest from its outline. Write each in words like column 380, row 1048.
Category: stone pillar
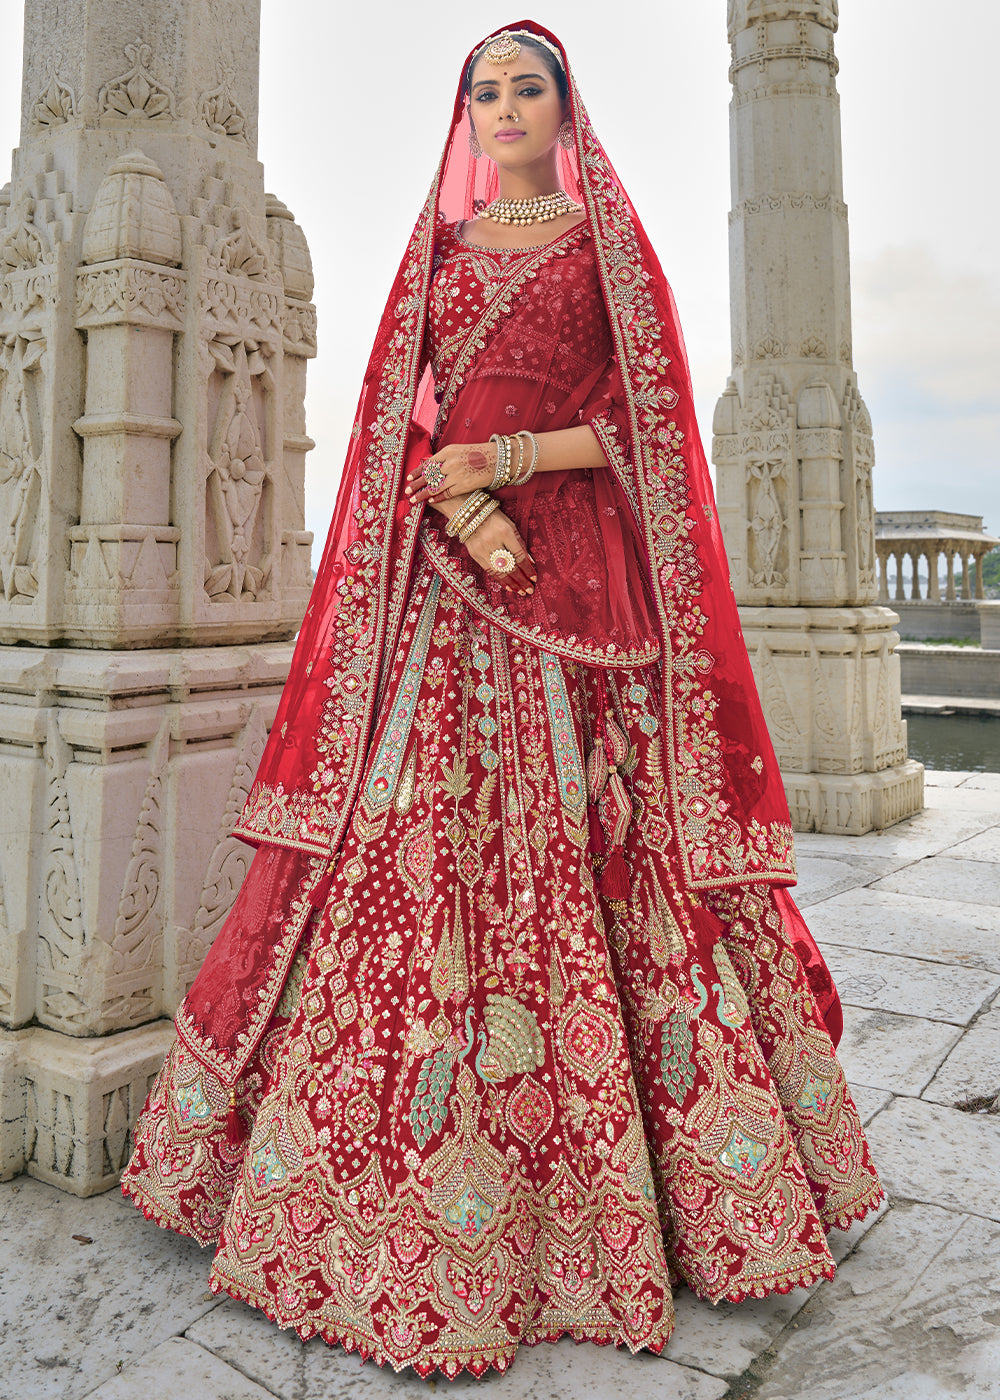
column 793, row 440
column 933, row 584
column 949, row 591
column 155, row 323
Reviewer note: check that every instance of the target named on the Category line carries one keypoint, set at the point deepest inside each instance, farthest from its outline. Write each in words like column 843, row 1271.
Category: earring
column 566, row 136
column 474, row 145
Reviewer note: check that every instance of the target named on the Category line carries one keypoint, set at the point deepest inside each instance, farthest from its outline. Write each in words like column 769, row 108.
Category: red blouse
column 519, row 338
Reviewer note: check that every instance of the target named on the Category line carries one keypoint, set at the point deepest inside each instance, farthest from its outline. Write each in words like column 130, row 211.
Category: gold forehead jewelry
column 507, row 44
column 503, row 49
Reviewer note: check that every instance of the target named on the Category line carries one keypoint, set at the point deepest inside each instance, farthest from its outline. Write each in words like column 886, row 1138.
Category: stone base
column 829, row 681
column 122, row 775
column 68, row 1106
column 856, row 805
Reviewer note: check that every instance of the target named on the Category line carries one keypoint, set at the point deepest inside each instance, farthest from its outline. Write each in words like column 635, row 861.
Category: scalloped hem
column 425, row 1364
column 857, row 1210
column 177, row 1223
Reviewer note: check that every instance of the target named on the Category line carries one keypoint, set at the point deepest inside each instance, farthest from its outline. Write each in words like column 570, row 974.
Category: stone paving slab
column 933, row 830
column 869, row 1101
column 926, row 1152
column 910, row 1316
column 821, row 876
column 986, row 782
column 939, row 930
column 113, row 1300
column 293, row 1371
column 180, row 1370
column 972, row 1070
column 941, row 877
column 901, row 1054
column 910, row 986
column 985, row 845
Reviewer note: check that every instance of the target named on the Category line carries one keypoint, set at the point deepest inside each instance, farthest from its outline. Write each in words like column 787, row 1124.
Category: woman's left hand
column 455, row 470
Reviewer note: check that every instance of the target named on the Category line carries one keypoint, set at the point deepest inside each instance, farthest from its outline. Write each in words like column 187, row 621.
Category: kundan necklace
column 539, row 209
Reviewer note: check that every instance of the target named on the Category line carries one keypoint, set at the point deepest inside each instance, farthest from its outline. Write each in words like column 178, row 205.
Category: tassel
column 236, row 1132
column 614, row 876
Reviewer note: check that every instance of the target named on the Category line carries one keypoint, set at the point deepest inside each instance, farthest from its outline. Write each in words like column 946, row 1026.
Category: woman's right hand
column 498, row 531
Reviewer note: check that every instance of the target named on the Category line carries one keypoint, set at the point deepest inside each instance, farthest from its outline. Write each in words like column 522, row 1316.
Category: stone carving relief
column 781, row 721
column 136, row 92
column 863, row 444
column 813, row 348
column 299, row 329
column 136, row 939
column 219, row 109
column 21, row 450
column 766, row 451
column 57, row 104
column 238, row 562
column 790, row 199
column 230, row 859
column 240, row 253
column 742, row 14
column 61, row 935
column 50, row 1128
column 769, row 347
column 125, row 291
column 23, row 245
column 767, row 521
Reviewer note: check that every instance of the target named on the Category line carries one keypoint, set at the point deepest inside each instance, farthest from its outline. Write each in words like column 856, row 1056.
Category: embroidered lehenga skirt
column 493, row 1106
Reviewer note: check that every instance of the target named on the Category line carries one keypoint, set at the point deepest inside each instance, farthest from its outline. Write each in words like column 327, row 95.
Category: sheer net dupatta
column 726, row 795
column 726, row 791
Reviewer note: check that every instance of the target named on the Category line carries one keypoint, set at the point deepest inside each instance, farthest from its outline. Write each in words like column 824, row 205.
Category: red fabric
column 546, row 365
column 493, row 1106
column 649, row 521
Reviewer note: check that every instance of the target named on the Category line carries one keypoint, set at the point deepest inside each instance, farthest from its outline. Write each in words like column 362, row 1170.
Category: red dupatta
column 726, row 791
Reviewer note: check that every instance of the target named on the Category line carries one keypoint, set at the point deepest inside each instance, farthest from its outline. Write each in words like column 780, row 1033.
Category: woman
column 513, row 1024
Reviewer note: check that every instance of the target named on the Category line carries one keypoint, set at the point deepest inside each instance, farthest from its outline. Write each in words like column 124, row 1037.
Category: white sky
column 354, row 108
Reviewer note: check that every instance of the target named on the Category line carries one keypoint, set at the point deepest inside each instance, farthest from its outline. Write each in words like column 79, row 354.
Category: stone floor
column 94, row 1301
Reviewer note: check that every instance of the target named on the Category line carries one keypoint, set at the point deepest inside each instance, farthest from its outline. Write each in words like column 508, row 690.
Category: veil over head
column 726, row 794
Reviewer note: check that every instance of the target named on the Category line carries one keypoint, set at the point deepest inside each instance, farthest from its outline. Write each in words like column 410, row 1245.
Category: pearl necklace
column 539, row 209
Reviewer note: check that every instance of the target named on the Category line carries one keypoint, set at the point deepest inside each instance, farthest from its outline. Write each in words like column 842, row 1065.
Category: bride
column 513, row 1026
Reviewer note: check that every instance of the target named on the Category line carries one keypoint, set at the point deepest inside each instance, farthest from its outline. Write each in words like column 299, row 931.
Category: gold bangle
column 469, row 530
column 465, row 513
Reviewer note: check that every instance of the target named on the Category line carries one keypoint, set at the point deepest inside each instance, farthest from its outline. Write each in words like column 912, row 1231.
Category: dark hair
column 552, row 64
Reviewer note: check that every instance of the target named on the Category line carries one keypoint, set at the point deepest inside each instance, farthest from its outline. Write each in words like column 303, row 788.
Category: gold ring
column 433, row 475
column 502, row 561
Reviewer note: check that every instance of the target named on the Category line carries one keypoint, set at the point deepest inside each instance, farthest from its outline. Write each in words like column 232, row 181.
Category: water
column 955, row 743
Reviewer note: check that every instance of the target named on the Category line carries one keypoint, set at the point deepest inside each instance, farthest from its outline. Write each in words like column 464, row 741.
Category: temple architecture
column 793, row 441
column 918, row 544
column 155, row 327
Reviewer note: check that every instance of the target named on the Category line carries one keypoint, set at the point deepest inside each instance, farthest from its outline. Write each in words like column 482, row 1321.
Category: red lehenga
column 445, row 1084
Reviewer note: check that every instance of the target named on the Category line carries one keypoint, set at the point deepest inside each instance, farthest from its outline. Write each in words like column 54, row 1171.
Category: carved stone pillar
column 155, row 326
column 793, row 440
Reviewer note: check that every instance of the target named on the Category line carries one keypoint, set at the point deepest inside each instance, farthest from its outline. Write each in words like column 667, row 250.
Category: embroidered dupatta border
column 708, row 844
column 715, row 850
column 271, row 814
column 229, row 1065
column 572, row 648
